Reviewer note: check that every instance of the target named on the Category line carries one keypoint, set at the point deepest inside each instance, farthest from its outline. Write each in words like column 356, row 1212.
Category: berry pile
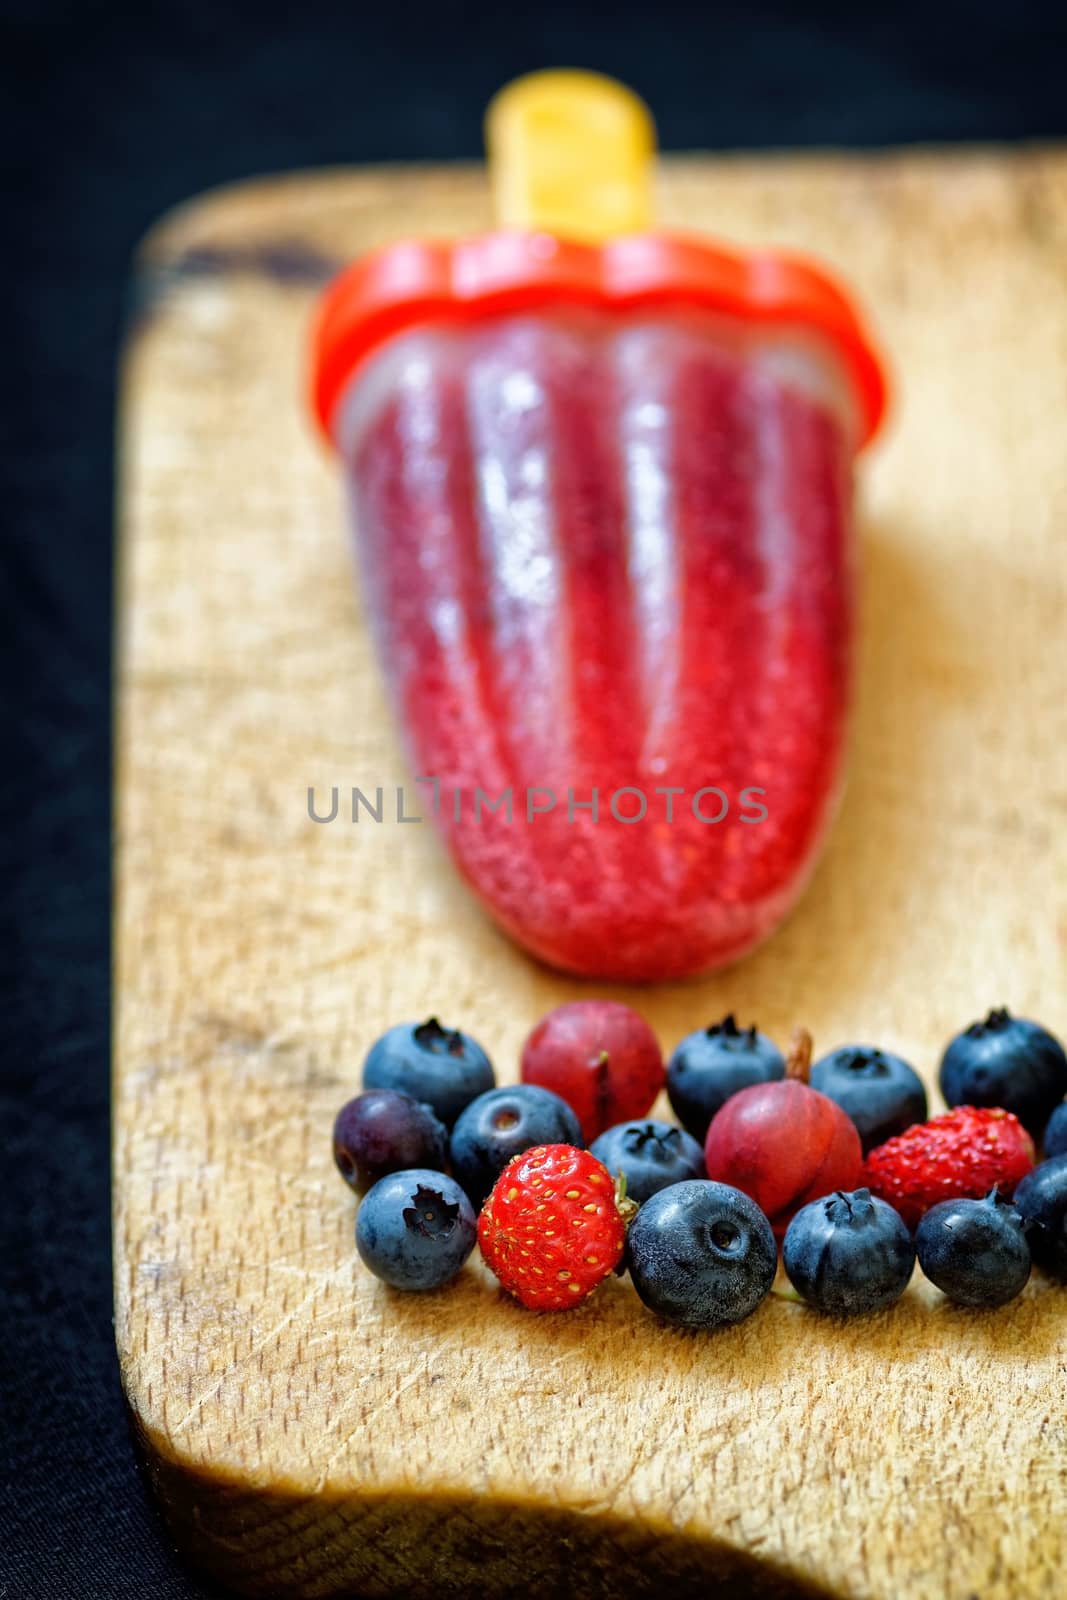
column 834, row 1164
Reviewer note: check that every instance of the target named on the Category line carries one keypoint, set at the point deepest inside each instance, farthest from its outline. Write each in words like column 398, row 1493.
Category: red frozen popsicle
column 602, row 498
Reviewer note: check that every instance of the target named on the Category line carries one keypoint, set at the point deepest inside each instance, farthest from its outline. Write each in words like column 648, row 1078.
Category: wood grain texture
column 312, row 1434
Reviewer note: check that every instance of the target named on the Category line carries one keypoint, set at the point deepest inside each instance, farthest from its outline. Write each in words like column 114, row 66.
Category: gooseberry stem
column 798, row 1061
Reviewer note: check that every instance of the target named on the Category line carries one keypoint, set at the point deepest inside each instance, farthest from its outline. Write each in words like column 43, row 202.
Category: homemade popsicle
column 601, row 485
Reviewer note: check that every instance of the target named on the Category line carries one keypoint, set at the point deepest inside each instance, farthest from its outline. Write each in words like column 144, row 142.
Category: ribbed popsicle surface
column 613, row 555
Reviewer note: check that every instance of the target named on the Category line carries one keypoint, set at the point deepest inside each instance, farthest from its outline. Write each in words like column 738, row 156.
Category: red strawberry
column 958, row 1156
column 553, row 1226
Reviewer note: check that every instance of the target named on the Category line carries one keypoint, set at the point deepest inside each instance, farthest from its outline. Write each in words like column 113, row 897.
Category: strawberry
column 553, row 1226
column 958, row 1156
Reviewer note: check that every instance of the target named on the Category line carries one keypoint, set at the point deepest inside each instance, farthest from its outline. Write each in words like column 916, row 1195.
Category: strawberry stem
column 626, row 1207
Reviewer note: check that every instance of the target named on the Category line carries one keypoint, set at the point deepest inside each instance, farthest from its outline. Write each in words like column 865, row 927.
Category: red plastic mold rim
column 415, row 282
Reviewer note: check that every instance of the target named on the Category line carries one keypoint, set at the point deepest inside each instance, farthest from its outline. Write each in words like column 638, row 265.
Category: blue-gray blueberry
column 974, row 1251
column 502, row 1123
column 443, row 1067
column 1055, row 1140
column 650, row 1155
column 880, row 1092
column 714, row 1063
column 701, row 1254
column 415, row 1229
column 1009, row 1062
column 1041, row 1201
column 848, row 1254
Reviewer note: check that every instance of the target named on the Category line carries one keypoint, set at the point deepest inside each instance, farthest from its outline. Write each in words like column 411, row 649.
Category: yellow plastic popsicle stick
column 570, row 153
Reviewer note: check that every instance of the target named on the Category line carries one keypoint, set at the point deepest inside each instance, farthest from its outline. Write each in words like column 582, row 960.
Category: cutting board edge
column 223, row 1523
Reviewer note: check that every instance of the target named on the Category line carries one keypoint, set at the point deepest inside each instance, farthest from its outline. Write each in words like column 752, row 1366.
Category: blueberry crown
column 843, row 1209
column 430, row 1213
column 1002, row 1204
column 997, row 1020
column 647, row 1140
column 430, row 1035
column 860, row 1057
column 728, row 1029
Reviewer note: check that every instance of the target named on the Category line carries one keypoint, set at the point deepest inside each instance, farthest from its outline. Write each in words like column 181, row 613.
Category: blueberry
column 1055, row 1141
column 650, row 1155
column 879, row 1092
column 441, row 1066
column 714, row 1063
column 701, row 1254
column 500, row 1124
column 385, row 1131
column 1041, row 1201
column 1009, row 1062
column 415, row 1229
column 848, row 1254
column 975, row 1251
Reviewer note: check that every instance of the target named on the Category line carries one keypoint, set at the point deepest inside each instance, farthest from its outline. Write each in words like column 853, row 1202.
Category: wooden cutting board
column 311, row 1434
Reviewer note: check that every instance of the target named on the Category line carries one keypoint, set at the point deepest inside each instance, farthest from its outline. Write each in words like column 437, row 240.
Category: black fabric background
column 112, row 115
